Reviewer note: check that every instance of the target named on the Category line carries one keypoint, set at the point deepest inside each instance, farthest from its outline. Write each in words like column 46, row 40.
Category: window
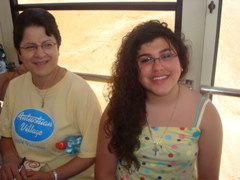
column 92, row 30
column 227, row 75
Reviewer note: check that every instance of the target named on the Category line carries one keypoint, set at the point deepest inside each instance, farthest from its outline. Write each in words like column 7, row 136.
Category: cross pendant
column 156, row 150
column 42, row 103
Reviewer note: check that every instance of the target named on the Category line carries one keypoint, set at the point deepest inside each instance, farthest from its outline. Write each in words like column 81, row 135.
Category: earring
column 182, row 69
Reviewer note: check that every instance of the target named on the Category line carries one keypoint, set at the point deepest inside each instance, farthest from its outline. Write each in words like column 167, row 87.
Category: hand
column 10, row 170
column 38, row 175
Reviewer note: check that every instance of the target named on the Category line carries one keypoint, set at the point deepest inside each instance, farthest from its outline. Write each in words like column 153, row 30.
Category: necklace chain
column 42, row 97
column 59, row 74
column 169, row 121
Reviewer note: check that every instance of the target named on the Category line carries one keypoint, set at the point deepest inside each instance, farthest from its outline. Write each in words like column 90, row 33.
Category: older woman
column 44, row 106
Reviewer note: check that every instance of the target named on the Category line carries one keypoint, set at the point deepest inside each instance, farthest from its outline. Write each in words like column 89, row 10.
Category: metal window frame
column 148, row 6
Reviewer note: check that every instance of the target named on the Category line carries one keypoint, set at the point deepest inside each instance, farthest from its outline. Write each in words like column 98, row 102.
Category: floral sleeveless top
column 174, row 158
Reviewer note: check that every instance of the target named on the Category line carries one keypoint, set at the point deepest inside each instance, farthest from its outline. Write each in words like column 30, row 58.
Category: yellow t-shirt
column 70, row 108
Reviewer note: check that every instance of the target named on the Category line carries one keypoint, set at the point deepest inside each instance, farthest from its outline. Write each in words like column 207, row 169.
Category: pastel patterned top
column 176, row 152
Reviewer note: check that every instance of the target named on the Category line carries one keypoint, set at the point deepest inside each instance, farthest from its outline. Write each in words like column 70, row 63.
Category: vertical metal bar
column 216, row 42
column 14, row 12
column 178, row 16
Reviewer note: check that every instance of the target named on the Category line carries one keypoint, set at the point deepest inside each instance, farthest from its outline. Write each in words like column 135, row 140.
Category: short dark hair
column 35, row 17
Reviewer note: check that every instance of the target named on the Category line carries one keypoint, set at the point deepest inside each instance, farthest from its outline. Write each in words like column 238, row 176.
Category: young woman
column 154, row 127
column 44, row 106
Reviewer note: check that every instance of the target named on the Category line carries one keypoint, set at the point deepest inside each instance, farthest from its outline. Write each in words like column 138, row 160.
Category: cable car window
column 92, row 32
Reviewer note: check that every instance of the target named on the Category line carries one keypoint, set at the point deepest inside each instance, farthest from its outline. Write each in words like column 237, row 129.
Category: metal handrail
column 94, row 77
column 205, row 90
column 212, row 90
column 105, row 79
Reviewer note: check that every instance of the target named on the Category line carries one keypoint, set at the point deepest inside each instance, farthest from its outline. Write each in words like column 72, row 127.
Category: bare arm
column 210, row 145
column 70, row 169
column 11, row 161
column 106, row 162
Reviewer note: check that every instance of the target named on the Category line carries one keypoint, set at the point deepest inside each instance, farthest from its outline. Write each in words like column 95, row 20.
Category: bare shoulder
column 210, row 143
column 211, row 116
column 189, row 100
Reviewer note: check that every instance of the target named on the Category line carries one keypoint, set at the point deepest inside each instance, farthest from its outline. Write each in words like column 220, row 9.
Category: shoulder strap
column 200, row 111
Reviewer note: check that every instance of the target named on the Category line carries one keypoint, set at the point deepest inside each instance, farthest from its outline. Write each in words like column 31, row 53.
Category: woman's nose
column 39, row 51
column 157, row 64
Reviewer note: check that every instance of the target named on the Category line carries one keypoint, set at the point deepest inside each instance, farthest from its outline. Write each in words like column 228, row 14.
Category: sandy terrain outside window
column 227, row 75
column 90, row 39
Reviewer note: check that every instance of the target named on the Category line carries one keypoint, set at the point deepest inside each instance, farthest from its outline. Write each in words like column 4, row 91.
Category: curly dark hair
column 127, row 108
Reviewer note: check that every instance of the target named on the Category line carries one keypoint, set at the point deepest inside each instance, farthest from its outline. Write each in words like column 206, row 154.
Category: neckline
column 51, row 89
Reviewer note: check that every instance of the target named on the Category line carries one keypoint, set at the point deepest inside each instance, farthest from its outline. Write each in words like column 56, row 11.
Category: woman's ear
column 19, row 55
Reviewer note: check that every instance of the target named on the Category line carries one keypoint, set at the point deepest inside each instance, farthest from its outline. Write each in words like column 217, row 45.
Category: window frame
column 149, row 6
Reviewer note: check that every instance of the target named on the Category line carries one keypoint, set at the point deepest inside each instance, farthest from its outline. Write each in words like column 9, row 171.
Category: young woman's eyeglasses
column 33, row 47
column 145, row 61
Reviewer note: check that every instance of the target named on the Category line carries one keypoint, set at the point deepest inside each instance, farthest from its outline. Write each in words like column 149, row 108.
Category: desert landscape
column 227, row 75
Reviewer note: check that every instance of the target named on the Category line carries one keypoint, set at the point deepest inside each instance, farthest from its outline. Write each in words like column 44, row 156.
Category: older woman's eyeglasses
column 33, row 47
column 145, row 61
